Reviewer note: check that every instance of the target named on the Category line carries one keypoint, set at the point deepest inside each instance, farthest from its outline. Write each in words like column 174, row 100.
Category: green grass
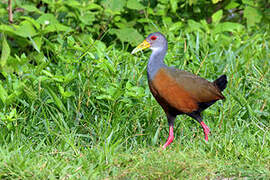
column 96, row 118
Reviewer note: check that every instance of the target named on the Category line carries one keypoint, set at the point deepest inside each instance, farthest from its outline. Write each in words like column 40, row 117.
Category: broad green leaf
column 167, row 20
column 129, row 35
column 56, row 28
column 71, row 41
column 128, row 85
column 193, row 25
column 73, row 4
column 38, row 41
column 30, row 8
column 253, row 15
column 197, row 9
column 227, row 26
column 68, row 94
column 150, row 11
column 215, row 1
column 205, row 25
column 33, row 21
column 232, row 5
column 190, row 2
column 216, row 17
column 7, row 28
column 104, row 96
column 174, row 5
column 134, row 91
column 36, row 47
column 93, row 6
column 143, row 20
column 114, row 5
column 25, row 29
column 65, row 94
column 47, row 19
column 176, row 26
column 13, row 114
column 249, row 2
column 3, row 93
column 101, row 48
column 87, row 18
column 5, row 51
column 134, row 4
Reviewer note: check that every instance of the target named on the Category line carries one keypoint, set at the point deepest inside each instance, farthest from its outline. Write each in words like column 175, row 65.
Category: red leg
column 170, row 138
column 206, row 130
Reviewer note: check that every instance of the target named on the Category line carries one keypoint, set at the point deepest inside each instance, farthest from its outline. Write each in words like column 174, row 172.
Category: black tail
column 221, row 82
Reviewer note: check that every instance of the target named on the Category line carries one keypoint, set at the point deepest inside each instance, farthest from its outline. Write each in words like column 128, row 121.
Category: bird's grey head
column 157, row 41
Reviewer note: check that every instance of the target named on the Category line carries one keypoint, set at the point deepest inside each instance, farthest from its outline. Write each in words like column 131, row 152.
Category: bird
column 178, row 92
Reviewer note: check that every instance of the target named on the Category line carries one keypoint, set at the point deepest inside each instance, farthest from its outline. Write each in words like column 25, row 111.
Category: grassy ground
column 97, row 119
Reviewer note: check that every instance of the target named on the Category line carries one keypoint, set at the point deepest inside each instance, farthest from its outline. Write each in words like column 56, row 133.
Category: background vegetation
column 74, row 103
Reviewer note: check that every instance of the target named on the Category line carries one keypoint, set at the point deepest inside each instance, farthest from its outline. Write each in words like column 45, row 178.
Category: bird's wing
column 183, row 90
column 200, row 89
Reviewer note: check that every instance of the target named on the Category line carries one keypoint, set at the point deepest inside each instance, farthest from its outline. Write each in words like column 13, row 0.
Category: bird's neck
column 156, row 62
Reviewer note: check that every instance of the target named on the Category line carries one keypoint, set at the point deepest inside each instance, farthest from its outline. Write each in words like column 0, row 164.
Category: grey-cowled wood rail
column 178, row 92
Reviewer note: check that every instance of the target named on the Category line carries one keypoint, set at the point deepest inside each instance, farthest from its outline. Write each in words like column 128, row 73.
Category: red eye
column 153, row 38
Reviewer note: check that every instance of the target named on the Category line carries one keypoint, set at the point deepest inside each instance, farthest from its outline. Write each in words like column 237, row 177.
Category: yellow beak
column 142, row 46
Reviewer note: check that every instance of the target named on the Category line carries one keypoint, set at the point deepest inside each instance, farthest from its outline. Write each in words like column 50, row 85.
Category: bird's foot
column 168, row 142
column 170, row 138
column 206, row 130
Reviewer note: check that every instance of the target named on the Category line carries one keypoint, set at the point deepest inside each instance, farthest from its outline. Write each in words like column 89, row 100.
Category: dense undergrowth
column 73, row 107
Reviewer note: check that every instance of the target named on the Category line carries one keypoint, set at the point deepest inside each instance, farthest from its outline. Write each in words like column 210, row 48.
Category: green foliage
column 5, row 52
column 75, row 103
column 253, row 16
